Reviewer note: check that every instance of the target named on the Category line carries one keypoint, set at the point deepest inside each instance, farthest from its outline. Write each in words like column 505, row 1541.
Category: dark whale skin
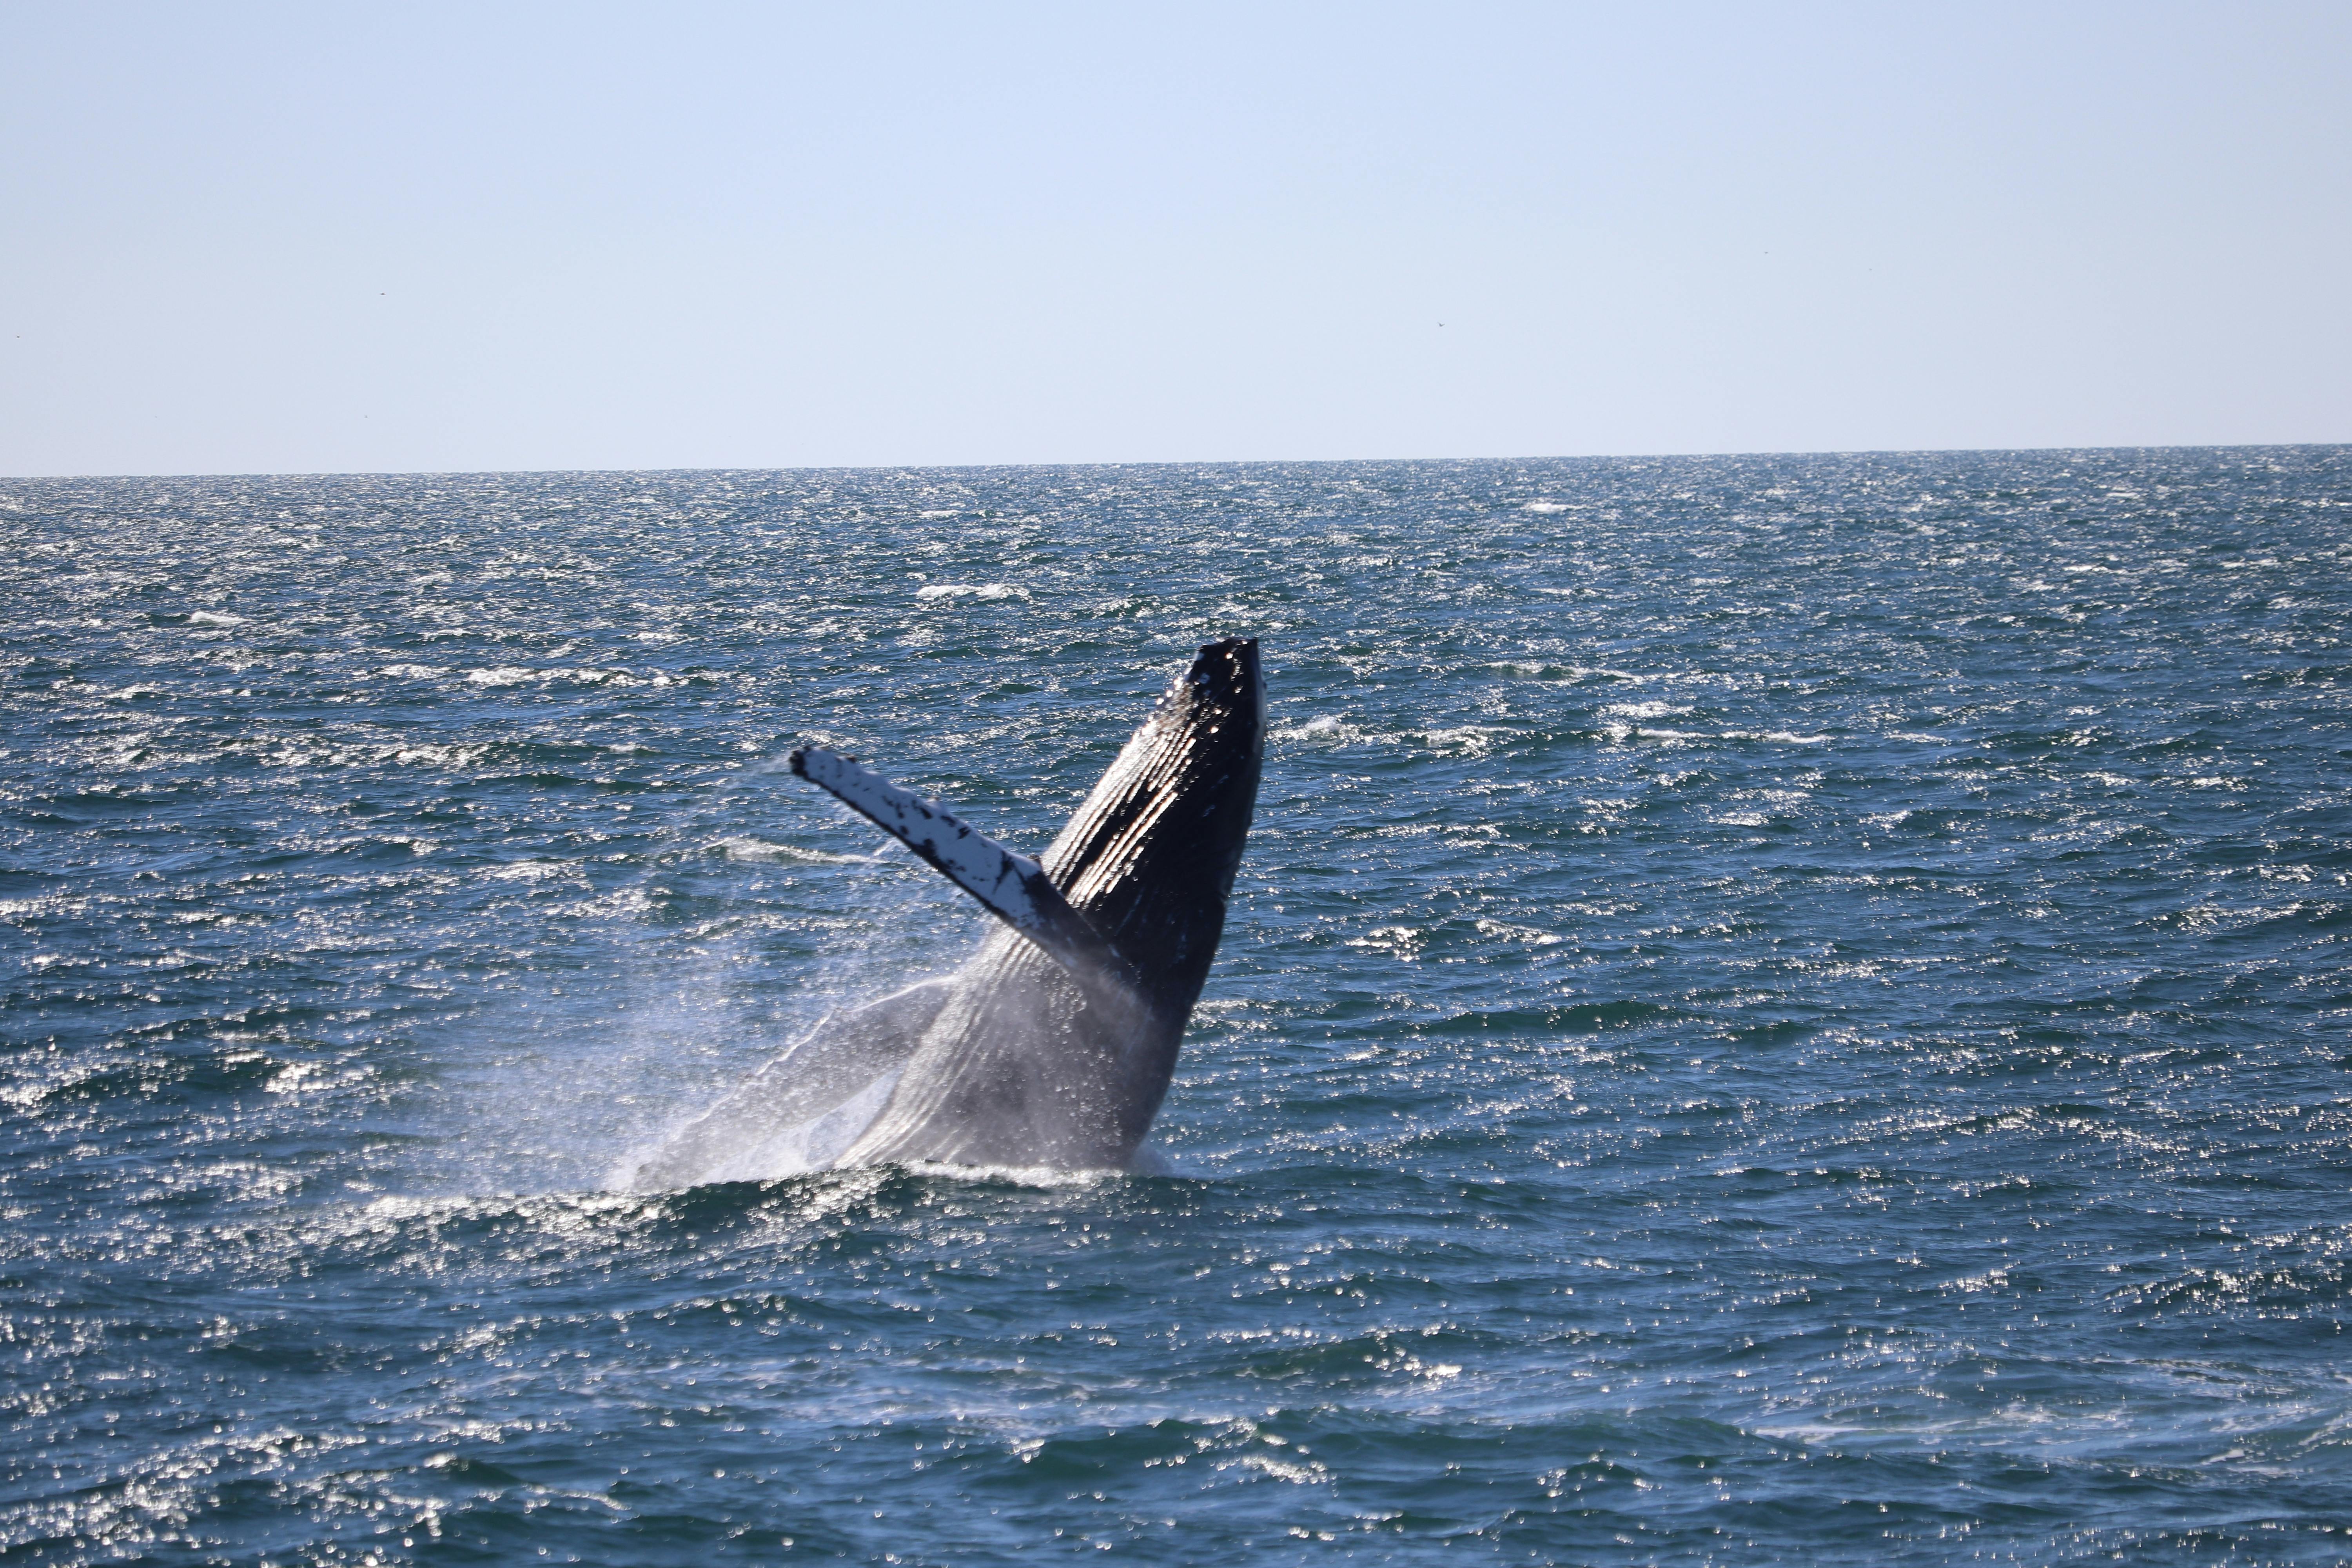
column 1016, row 1068
column 1005, row 1062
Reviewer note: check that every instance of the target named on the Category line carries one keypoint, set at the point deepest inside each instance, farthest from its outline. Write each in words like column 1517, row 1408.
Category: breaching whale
column 1054, row 1045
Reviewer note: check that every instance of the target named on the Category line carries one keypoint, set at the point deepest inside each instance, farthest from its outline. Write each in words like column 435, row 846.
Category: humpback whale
column 1053, row 1044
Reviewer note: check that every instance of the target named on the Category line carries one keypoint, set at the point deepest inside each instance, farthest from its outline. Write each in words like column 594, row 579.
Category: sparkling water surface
column 1782, row 1009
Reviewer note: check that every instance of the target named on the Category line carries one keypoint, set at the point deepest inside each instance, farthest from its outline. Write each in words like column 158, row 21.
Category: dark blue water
column 1779, row 1010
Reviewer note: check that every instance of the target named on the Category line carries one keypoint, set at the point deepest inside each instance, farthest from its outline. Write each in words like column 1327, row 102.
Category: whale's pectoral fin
column 1012, row 887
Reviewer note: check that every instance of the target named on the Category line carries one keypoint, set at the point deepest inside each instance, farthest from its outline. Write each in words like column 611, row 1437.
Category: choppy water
column 1779, row 1010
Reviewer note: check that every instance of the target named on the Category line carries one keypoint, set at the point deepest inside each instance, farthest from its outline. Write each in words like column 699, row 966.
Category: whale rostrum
column 1053, row 1044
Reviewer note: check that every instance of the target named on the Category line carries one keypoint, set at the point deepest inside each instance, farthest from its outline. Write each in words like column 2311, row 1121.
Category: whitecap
column 971, row 590
column 743, row 847
column 460, row 755
column 1779, row 737
column 1473, row 739
column 1527, row 934
column 535, row 870
column 1324, row 729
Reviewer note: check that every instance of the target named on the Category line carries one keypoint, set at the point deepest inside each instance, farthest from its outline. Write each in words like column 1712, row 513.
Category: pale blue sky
column 242, row 237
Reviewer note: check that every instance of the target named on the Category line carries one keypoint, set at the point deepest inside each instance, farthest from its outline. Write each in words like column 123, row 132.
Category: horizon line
column 1185, row 462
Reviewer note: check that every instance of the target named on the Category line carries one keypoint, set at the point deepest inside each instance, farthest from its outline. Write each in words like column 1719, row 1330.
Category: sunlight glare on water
column 1777, row 1009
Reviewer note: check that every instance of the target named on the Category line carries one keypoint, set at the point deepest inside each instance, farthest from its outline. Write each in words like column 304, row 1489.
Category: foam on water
column 792, row 1149
column 1778, row 1009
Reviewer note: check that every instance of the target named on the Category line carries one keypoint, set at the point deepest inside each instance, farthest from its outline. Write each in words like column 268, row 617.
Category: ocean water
column 1782, row 1009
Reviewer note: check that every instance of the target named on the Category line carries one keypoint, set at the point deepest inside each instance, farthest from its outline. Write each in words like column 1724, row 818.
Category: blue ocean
column 1777, row 1010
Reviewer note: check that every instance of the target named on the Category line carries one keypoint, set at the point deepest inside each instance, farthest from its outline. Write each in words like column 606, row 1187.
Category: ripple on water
column 1778, row 1008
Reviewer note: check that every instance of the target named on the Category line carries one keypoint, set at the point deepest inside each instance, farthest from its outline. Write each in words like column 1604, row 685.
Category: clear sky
column 242, row 238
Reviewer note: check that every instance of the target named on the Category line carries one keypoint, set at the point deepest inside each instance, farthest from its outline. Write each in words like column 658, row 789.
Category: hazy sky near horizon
column 255, row 237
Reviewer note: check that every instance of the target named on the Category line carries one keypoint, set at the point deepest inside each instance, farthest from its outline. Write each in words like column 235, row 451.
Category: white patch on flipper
column 994, row 874
column 1012, row 887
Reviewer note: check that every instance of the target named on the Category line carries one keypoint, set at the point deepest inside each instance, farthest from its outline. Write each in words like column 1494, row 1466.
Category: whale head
column 1149, row 859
